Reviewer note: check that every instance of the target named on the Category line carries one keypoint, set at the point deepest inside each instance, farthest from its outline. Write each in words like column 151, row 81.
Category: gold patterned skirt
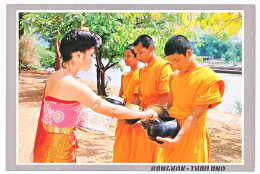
column 51, row 147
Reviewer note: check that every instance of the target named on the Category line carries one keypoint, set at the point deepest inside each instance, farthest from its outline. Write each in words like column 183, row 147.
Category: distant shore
column 229, row 70
column 233, row 68
column 225, row 129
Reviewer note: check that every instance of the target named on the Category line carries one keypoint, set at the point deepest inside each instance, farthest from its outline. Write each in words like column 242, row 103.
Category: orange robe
column 154, row 80
column 200, row 86
column 61, row 148
column 123, row 133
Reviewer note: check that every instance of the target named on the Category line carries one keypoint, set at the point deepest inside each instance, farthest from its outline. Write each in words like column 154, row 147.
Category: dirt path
column 224, row 128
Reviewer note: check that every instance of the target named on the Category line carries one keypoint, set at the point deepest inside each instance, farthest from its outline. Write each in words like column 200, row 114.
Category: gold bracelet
column 97, row 103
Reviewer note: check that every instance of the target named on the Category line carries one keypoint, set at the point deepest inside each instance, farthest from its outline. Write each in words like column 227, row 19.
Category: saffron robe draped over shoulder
column 51, row 147
column 130, row 85
column 123, row 133
column 200, row 86
column 154, row 80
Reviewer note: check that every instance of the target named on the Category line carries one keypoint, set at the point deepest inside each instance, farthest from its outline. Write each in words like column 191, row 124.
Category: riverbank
column 225, row 129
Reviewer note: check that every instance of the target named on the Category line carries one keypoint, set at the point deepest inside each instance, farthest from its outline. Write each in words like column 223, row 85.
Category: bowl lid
column 160, row 110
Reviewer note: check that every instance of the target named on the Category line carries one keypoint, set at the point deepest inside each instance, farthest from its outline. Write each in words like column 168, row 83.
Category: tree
column 21, row 31
column 211, row 45
column 28, row 55
column 119, row 29
column 234, row 53
column 106, row 25
column 50, row 27
column 47, row 57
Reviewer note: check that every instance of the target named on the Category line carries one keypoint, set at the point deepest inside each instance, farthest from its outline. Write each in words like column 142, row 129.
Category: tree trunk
column 101, row 69
column 21, row 30
column 103, row 86
column 100, row 76
column 99, row 82
column 57, row 63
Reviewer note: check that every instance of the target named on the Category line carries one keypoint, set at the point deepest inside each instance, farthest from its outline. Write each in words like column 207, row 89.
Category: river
column 231, row 100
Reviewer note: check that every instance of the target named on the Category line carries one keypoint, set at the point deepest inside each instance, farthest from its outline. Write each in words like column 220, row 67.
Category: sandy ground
column 224, row 128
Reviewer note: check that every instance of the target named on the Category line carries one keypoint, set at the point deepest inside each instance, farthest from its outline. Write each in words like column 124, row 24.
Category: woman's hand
column 150, row 114
column 168, row 143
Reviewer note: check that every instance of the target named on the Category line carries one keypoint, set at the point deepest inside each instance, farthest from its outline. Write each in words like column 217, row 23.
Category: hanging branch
column 189, row 22
column 110, row 60
column 231, row 19
column 107, row 81
column 112, row 65
column 226, row 25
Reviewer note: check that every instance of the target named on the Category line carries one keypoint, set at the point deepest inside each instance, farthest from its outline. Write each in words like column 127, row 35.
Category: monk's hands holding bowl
column 150, row 114
column 168, row 143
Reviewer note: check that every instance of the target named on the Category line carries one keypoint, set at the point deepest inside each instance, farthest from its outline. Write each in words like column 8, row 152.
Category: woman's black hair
column 145, row 40
column 78, row 40
column 131, row 47
column 177, row 44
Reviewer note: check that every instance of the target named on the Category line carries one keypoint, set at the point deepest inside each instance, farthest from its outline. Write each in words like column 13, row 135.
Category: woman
column 63, row 100
column 128, row 91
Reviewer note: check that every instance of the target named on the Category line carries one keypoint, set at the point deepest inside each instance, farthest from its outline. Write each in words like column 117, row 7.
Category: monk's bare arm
column 163, row 99
column 121, row 87
column 187, row 126
column 136, row 101
column 170, row 100
column 170, row 95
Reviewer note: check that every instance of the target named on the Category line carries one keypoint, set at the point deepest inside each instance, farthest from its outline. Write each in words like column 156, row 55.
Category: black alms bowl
column 115, row 100
column 160, row 110
column 169, row 127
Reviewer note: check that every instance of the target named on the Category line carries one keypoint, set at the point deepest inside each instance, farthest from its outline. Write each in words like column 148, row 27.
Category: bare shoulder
column 58, row 85
column 82, row 81
column 74, row 89
column 75, row 83
column 69, row 83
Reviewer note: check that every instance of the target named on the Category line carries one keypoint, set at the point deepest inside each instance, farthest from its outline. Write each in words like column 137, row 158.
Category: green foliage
column 119, row 29
column 30, row 66
column 234, row 53
column 199, row 58
column 109, row 27
column 47, row 57
column 213, row 46
column 238, row 107
column 50, row 26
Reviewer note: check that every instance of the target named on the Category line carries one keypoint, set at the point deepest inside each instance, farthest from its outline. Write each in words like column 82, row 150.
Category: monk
column 193, row 90
column 153, row 89
column 128, row 91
